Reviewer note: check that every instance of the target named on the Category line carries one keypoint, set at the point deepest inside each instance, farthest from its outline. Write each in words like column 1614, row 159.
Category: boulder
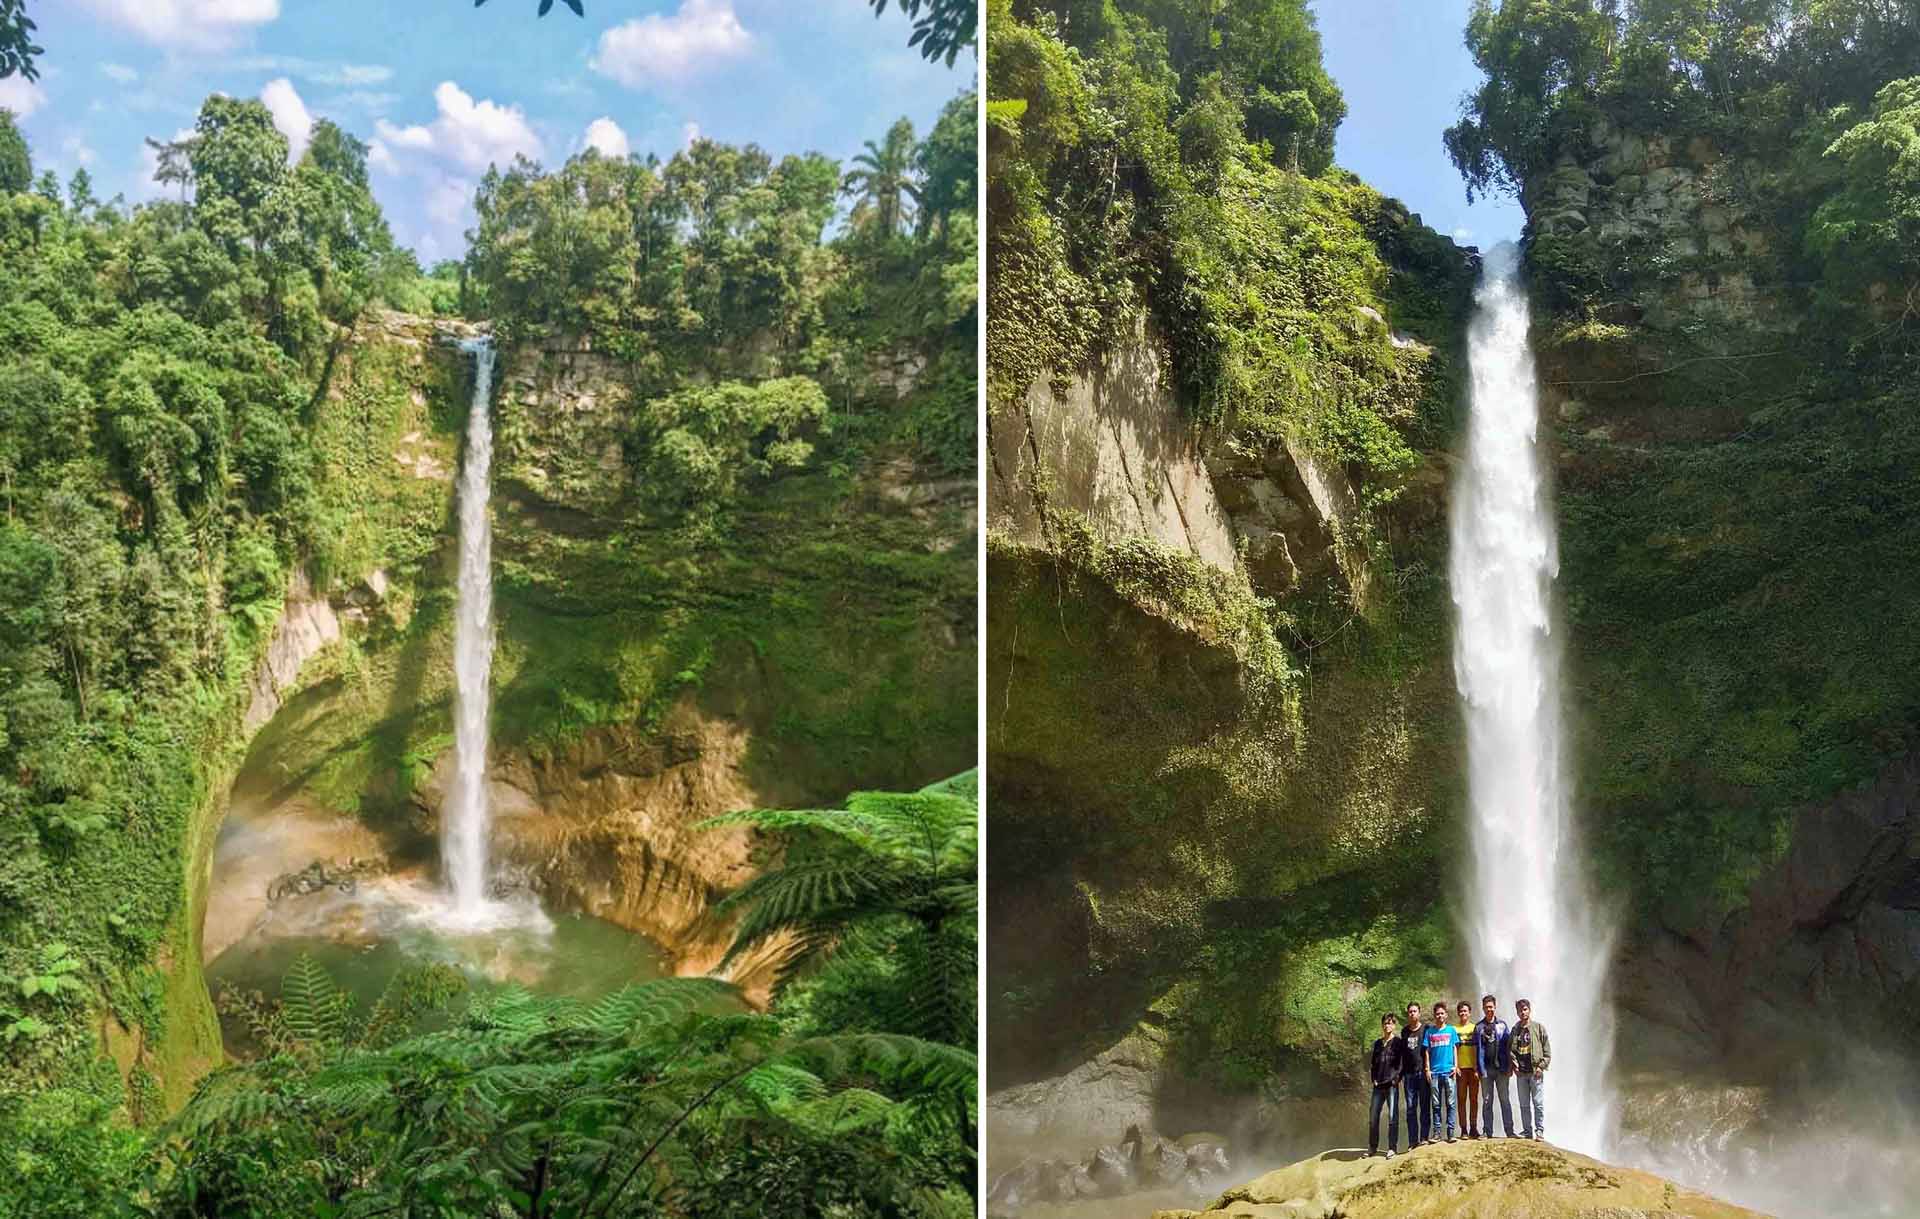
column 1474, row 1180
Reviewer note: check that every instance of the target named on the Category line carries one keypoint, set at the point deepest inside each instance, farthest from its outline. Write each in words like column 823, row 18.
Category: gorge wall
column 643, row 682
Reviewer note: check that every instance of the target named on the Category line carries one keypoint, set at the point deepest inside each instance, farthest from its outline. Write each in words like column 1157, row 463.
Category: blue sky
column 1403, row 67
column 440, row 88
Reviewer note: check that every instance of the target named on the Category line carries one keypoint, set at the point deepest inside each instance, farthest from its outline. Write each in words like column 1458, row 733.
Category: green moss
column 1174, row 822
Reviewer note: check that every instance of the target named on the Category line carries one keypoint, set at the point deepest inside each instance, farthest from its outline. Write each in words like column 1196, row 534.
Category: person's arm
column 1545, row 1056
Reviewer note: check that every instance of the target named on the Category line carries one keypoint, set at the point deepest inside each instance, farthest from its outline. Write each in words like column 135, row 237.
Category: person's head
column 1464, row 1011
column 1388, row 1022
column 1488, row 1005
column 1439, row 1011
column 1524, row 1009
column 1413, row 1013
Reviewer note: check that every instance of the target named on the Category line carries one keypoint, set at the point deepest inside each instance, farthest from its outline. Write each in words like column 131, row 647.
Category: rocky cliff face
column 1642, row 203
column 1183, row 781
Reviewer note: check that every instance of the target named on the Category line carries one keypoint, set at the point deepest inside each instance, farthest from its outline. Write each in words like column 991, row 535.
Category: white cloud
column 21, row 96
column 313, row 71
column 119, row 72
column 688, row 134
column 659, row 48
column 78, row 151
column 1462, row 233
column 605, row 134
column 290, row 115
column 189, row 24
column 469, row 134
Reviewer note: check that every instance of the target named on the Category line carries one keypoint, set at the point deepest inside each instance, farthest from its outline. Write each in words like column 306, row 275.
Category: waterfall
column 466, row 819
column 1533, row 924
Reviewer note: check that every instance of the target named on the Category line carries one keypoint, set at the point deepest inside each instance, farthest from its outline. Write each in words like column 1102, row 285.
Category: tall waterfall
column 1533, row 924
column 466, row 820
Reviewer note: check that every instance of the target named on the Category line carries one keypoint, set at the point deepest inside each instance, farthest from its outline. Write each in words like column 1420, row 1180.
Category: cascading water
column 1536, row 930
column 466, row 821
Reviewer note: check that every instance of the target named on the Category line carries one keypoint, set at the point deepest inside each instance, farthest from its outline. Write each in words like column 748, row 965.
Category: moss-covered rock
column 1469, row 1180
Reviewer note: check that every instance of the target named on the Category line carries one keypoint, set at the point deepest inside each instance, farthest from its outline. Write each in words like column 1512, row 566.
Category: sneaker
column 1541, row 1137
column 1451, row 1139
column 1389, row 1153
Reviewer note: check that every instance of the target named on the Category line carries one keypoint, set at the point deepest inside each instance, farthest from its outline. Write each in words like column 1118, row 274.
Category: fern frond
column 313, row 1006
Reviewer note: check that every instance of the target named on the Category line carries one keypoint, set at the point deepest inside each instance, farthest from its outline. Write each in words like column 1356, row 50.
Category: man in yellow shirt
column 1469, row 1072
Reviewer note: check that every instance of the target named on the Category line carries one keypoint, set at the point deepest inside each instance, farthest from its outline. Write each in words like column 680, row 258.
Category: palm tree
column 882, row 179
column 900, row 862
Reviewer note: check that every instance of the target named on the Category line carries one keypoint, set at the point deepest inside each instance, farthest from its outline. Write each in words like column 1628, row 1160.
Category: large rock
column 1115, row 449
column 1503, row 1179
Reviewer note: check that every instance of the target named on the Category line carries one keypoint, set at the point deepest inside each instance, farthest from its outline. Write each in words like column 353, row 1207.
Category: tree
column 883, row 179
column 240, row 179
column 1869, row 230
column 16, row 162
column 1534, row 55
column 17, row 48
column 948, row 164
column 947, row 27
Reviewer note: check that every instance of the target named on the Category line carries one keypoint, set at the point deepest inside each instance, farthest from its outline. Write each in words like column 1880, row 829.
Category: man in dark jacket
column 1496, row 1067
column 1531, row 1055
column 1386, row 1065
column 1413, row 1079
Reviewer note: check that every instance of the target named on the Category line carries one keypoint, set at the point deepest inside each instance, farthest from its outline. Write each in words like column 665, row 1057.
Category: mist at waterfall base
column 1533, row 926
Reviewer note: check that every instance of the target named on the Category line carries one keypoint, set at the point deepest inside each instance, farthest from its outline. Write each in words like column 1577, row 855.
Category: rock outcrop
column 1502, row 1179
column 1657, row 198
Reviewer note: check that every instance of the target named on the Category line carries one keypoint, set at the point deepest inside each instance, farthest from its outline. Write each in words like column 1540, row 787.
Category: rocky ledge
column 1502, row 1179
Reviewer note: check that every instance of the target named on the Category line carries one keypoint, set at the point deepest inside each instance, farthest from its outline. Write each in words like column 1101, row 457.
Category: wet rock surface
column 1139, row 1162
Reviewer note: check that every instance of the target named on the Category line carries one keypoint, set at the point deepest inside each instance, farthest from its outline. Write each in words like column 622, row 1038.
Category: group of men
column 1439, row 1067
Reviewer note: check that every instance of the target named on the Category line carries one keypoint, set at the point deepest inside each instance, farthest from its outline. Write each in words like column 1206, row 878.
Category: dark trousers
column 1385, row 1096
column 1419, row 1109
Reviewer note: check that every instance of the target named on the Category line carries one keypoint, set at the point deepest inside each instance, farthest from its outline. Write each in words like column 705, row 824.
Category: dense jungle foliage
column 189, row 415
column 1160, row 172
column 1763, row 525
column 853, row 1096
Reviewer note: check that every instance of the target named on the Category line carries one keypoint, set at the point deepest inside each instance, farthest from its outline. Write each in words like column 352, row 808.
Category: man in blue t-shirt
column 1443, row 1047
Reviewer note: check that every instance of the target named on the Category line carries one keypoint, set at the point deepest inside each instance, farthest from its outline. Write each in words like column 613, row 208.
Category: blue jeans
column 1419, row 1110
column 1444, row 1101
column 1502, row 1085
column 1385, row 1096
column 1533, row 1104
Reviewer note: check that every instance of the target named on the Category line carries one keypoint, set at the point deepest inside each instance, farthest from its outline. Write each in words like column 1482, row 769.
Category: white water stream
column 1532, row 919
column 466, row 821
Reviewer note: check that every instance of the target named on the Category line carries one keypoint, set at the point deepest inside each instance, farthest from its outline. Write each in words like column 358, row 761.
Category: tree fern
column 886, row 856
